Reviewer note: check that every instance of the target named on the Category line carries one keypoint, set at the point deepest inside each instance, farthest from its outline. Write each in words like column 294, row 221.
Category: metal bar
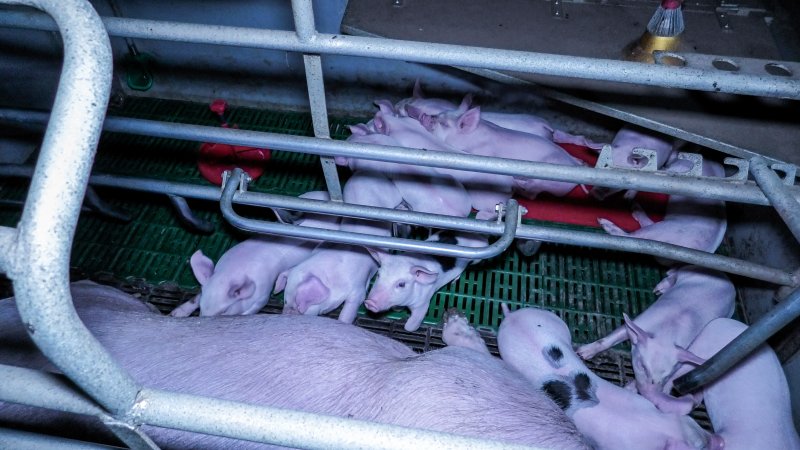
column 290, row 428
column 777, row 193
column 754, row 336
column 303, row 13
column 8, row 241
column 536, row 232
column 23, row 440
column 717, row 189
column 441, row 54
column 44, row 390
column 40, row 265
column 345, row 237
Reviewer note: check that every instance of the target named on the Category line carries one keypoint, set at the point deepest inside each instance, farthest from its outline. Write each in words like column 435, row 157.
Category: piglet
column 306, row 363
column 622, row 156
column 244, row 276
column 340, row 273
column 485, row 190
column 411, row 280
column 422, row 188
column 418, row 104
column 750, row 405
column 464, row 130
column 691, row 222
column 538, row 344
column 691, row 297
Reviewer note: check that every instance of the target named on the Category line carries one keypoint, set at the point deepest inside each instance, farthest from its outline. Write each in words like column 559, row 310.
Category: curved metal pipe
column 778, row 194
column 344, row 237
column 39, row 264
column 744, row 344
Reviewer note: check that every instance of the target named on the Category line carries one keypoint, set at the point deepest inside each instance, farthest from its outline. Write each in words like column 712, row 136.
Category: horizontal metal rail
column 344, row 237
column 440, row 54
column 523, row 231
column 718, row 189
column 230, row 419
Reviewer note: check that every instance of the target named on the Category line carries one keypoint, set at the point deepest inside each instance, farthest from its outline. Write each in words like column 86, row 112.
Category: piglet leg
column 187, row 308
column 350, row 308
column 416, row 317
column 588, row 351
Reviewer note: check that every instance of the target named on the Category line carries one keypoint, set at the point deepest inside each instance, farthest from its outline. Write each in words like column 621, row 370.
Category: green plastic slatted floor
column 589, row 289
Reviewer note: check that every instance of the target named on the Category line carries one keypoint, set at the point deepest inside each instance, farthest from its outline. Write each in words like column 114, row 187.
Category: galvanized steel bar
column 304, row 25
column 524, row 231
column 290, row 428
column 40, row 268
column 616, row 178
column 443, row 54
column 23, row 440
column 754, row 336
column 8, row 241
column 345, row 237
column 44, row 390
column 777, row 193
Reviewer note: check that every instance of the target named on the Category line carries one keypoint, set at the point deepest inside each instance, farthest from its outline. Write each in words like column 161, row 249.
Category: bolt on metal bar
column 290, row 428
column 744, row 344
column 344, row 237
column 442, row 54
column 718, row 189
column 524, row 231
column 23, row 440
column 778, row 194
column 39, row 266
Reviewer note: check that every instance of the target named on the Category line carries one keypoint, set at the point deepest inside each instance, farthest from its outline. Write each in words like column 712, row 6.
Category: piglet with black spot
column 538, row 344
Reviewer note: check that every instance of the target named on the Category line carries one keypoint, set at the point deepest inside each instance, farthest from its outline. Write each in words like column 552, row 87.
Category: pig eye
column 401, row 284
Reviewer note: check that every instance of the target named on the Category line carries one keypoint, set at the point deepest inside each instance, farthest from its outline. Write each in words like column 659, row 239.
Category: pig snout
column 375, row 305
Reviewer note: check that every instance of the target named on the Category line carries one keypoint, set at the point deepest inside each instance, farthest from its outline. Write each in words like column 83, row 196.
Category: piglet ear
column 380, row 125
column 202, row 267
column 505, row 309
column 469, row 120
column 427, row 121
column 423, row 275
column 685, row 356
column 413, row 112
column 637, row 335
column 417, row 92
column 341, row 160
column 377, row 254
column 385, row 106
column 242, row 290
column 466, row 102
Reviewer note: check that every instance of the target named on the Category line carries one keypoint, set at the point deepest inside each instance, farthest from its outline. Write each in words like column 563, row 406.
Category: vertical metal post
column 777, row 193
column 39, row 262
column 303, row 13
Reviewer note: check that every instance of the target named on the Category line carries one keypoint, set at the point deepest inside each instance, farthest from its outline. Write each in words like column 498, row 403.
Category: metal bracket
column 789, row 172
column 605, row 161
column 697, row 164
column 743, row 167
column 345, row 237
column 652, row 159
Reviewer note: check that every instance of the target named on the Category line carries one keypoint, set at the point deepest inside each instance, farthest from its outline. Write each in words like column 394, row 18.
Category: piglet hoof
column 457, row 332
column 587, row 352
column 290, row 309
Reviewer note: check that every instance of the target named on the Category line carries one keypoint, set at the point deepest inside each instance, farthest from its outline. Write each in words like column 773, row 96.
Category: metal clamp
column 344, row 237
column 743, row 166
column 789, row 172
column 697, row 164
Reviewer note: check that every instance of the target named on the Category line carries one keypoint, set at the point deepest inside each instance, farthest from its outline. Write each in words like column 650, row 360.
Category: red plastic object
column 578, row 208
column 215, row 158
